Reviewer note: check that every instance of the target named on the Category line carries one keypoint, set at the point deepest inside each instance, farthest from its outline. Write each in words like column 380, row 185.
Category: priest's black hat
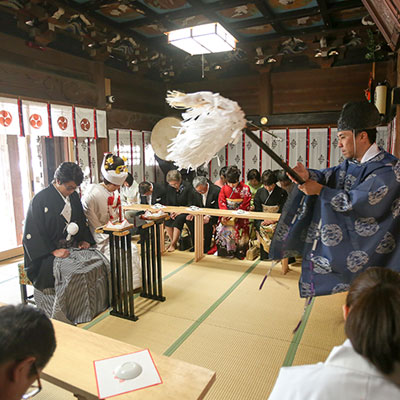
column 358, row 115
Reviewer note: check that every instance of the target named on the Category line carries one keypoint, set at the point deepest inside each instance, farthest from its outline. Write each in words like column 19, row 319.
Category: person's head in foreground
column 372, row 313
column 367, row 365
column 27, row 342
column 67, row 177
column 232, row 176
column 114, row 172
column 356, row 128
column 174, row 179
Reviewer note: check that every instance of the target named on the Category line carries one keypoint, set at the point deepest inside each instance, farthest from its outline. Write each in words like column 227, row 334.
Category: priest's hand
column 61, row 253
column 311, row 187
column 302, row 171
column 83, row 245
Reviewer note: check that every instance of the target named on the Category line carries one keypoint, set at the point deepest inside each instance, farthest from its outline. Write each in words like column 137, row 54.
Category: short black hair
column 144, row 187
column 67, row 172
column 222, row 171
column 129, row 179
column 233, row 174
column 26, row 331
column 281, row 175
column 253, row 174
column 268, row 177
column 201, row 171
column 373, row 322
column 370, row 132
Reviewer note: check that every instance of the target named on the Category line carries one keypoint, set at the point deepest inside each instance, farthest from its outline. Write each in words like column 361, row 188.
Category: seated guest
column 254, row 183
column 152, row 193
column 56, row 251
column 27, row 342
column 283, row 180
column 129, row 194
column 222, row 177
column 178, row 193
column 129, row 191
column 102, row 204
column 367, row 365
column 232, row 235
column 270, row 198
column 205, row 196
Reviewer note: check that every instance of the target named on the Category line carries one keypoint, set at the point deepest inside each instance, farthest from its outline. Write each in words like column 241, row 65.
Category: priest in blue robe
column 344, row 219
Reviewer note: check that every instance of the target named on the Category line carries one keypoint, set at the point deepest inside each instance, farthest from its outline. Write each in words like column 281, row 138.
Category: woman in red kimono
column 232, row 235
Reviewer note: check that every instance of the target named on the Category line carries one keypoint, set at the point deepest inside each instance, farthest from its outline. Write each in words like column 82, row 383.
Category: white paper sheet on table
column 108, row 385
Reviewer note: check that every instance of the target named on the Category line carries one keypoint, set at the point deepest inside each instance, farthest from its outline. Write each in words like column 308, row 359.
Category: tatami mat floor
column 215, row 316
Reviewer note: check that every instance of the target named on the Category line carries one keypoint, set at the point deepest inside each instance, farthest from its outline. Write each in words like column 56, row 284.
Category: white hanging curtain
column 35, row 118
column 62, row 120
column 9, row 117
column 84, row 120
column 101, row 118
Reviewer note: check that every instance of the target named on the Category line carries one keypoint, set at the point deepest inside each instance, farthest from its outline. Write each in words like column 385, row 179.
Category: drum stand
column 122, row 292
column 150, row 236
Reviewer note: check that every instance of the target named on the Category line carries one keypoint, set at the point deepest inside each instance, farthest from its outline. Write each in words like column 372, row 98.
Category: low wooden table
column 72, row 368
column 198, row 220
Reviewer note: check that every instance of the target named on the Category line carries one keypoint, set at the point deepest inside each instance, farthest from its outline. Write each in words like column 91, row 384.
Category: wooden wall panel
column 245, row 90
column 136, row 94
column 321, row 89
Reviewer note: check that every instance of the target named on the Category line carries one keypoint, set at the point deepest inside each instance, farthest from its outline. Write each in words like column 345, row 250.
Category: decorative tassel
column 306, row 305
column 268, row 273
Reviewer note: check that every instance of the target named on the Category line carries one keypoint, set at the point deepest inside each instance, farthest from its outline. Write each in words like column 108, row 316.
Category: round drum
column 163, row 132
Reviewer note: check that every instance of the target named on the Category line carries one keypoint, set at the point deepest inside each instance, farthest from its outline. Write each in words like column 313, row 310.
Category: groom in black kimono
column 45, row 235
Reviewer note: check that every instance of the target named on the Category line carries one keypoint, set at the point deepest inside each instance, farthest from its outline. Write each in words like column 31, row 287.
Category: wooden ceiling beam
column 279, row 17
column 305, row 31
column 269, row 15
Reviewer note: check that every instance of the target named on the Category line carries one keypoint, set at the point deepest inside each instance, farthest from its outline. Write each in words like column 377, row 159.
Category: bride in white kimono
column 102, row 204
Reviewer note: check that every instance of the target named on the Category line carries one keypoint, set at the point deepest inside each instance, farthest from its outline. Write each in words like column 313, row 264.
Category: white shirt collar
column 370, row 153
column 345, row 356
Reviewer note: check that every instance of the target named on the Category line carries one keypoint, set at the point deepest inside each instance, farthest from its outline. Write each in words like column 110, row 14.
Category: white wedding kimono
column 96, row 205
column 344, row 375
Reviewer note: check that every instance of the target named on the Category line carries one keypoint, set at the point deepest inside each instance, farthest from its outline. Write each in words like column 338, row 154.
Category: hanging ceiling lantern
column 203, row 39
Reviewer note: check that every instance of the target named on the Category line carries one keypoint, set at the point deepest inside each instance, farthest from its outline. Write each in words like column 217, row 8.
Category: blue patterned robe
column 352, row 225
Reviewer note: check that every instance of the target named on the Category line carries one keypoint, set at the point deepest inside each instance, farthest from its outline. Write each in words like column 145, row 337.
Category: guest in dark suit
column 152, row 193
column 269, row 198
column 205, row 195
column 178, row 193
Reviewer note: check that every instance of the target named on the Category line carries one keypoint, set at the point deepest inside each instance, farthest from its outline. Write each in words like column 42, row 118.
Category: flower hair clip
column 121, row 168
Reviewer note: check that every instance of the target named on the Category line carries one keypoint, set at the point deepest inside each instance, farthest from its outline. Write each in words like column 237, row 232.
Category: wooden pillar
column 16, row 187
column 396, row 140
column 265, row 92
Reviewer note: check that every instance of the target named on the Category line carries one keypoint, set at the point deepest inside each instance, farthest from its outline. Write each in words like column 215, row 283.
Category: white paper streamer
column 210, row 122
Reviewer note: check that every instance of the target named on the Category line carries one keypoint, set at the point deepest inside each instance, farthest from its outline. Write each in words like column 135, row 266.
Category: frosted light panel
column 203, row 39
column 213, row 43
column 190, row 46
